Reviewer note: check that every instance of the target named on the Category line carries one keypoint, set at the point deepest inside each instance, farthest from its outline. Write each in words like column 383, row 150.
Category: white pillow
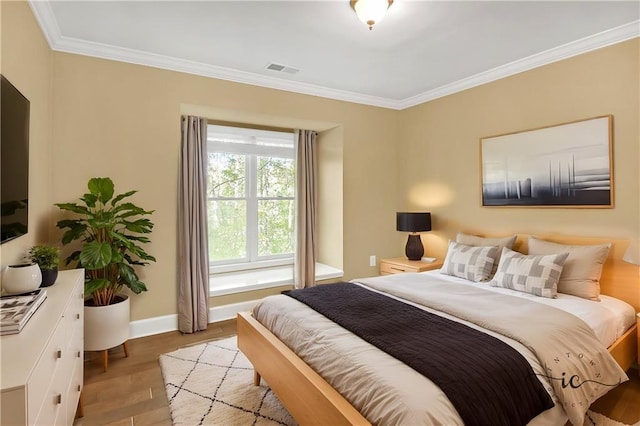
column 473, row 240
column 471, row 263
column 537, row 275
column 582, row 269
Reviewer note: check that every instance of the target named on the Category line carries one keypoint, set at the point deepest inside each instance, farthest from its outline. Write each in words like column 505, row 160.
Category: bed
column 312, row 400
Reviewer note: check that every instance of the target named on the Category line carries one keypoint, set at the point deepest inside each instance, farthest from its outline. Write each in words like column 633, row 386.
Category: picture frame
column 568, row 165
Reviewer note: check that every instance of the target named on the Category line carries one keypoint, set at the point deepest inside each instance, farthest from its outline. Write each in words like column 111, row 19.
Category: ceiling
column 422, row 50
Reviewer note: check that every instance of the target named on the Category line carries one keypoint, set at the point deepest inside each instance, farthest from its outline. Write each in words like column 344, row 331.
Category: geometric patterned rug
column 212, row 384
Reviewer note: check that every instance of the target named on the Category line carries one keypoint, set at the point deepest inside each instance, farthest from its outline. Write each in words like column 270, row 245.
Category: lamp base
column 414, row 248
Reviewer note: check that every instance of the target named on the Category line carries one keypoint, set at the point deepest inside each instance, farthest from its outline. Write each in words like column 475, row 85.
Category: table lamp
column 414, row 223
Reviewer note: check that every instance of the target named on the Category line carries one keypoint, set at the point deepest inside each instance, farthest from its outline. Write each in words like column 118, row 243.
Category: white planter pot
column 106, row 327
column 21, row 278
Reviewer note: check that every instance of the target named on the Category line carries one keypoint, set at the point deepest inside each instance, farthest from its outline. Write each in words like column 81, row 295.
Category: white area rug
column 212, row 384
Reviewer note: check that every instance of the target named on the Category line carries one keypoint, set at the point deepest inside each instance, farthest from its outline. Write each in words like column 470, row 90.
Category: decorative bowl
column 21, row 278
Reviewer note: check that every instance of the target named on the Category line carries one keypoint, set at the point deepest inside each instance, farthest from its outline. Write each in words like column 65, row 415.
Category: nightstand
column 399, row 265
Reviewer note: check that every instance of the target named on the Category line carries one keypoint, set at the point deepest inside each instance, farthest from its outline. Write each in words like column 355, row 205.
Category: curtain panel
column 193, row 258
column 307, row 200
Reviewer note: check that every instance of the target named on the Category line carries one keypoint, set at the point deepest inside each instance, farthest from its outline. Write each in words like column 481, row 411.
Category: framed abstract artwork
column 566, row 165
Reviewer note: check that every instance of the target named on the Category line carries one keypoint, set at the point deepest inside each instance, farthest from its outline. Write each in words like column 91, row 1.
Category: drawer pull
column 397, row 269
column 59, row 353
column 59, row 399
column 77, row 316
column 78, row 354
column 79, row 388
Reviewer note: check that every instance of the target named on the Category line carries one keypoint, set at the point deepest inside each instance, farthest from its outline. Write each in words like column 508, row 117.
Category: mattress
column 382, row 388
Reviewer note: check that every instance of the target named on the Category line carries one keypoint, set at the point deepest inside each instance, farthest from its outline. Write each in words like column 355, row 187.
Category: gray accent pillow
column 471, row 263
column 582, row 269
column 473, row 240
column 537, row 275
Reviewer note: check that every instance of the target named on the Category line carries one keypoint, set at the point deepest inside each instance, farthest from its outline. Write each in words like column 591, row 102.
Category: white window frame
column 252, row 150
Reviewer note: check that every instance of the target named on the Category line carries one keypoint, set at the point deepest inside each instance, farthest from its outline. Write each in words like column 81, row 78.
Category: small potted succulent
column 47, row 258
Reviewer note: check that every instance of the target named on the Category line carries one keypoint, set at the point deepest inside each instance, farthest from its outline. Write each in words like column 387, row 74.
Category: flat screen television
column 14, row 161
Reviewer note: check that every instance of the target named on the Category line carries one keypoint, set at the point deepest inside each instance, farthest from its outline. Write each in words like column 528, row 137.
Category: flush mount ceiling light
column 370, row 11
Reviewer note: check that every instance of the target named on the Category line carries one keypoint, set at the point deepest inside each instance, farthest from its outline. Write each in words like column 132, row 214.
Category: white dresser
column 42, row 366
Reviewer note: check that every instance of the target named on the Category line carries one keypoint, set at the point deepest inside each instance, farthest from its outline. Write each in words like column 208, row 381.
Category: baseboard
column 151, row 326
column 166, row 323
column 227, row 312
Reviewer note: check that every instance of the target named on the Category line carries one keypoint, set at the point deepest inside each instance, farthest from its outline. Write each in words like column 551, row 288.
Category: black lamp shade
column 413, row 222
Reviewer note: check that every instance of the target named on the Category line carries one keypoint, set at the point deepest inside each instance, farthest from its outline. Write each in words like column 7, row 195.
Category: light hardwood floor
column 132, row 392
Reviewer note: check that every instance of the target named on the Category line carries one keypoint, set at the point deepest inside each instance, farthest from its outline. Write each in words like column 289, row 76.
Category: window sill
column 239, row 282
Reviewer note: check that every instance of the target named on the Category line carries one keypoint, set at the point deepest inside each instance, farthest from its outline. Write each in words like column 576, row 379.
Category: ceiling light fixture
column 371, row 11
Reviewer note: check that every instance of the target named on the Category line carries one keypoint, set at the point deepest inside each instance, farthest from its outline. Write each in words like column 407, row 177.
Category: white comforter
column 609, row 318
column 399, row 395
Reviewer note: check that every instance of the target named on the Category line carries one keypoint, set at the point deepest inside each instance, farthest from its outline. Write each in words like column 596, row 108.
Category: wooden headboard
column 619, row 279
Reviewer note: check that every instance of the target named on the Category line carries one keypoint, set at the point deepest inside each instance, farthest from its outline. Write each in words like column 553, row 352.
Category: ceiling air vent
column 282, row 68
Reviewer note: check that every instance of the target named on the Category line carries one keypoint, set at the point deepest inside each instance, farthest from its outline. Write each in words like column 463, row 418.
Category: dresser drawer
column 73, row 324
column 55, row 402
column 72, row 319
column 45, row 370
column 52, row 410
column 392, row 268
column 400, row 265
column 73, row 392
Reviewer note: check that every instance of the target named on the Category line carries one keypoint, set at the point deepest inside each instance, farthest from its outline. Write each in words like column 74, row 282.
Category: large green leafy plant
column 111, row 232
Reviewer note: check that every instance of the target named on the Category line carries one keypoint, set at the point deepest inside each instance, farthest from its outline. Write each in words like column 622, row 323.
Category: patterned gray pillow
column 474, row 240
column 471, row 263
column 537, row 275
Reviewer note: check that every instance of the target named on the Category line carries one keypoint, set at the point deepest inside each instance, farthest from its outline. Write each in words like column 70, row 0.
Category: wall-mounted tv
column 14, row 161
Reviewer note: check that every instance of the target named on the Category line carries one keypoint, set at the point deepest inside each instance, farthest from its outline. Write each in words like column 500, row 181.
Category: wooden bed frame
column 312, row 401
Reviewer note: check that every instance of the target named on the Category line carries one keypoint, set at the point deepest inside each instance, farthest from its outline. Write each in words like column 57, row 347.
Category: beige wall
column 122, row 120
column 27, row 62
column 330, row 195
column 440, row 146
column 105, row 118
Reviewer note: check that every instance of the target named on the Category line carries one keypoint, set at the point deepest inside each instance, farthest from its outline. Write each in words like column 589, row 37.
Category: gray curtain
column 193, row 257
column 307, row 200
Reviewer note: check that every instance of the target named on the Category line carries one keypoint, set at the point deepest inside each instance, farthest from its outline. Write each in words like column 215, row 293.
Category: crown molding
column 104, row 51
column 574, row 48
column 47, row 21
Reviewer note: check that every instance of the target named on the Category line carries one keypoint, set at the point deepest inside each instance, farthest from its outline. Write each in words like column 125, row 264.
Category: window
column 251, row 198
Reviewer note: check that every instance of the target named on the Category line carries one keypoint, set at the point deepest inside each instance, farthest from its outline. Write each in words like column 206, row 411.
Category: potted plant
column 111, row 233
column 47, row 257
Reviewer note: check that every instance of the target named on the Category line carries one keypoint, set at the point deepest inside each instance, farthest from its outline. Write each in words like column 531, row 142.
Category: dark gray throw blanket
column 486, row 380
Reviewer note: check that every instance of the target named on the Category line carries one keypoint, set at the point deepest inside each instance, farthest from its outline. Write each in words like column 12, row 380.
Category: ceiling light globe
column 371, row 11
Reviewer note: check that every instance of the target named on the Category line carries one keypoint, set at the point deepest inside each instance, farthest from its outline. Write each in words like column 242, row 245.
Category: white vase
column 106, row 327
column 21, row 278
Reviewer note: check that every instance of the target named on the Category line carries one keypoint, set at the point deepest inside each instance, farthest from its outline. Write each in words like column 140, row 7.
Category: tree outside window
column 251, row 189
